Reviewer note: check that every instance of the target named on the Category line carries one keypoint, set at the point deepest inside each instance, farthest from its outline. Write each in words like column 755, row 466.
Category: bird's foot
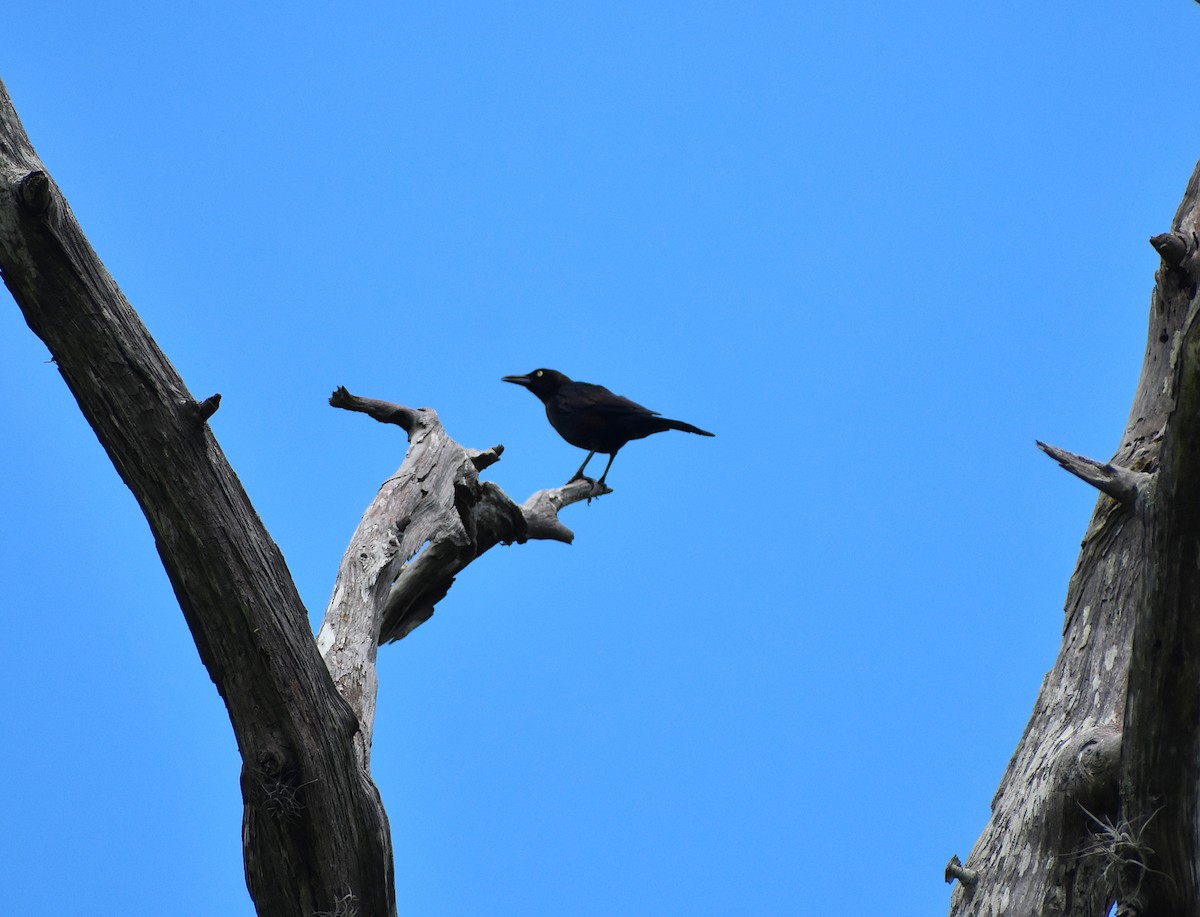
column 599, row 489
column 595, row 488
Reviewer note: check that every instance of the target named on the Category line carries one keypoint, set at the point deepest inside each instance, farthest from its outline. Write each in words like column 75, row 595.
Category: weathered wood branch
column 427, row 522
column 315, row 832
column 1113, row 732
column 541, row 509
column 1119, row 483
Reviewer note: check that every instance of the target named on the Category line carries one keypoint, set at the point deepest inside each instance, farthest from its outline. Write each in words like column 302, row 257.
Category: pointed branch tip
column 1119, row 483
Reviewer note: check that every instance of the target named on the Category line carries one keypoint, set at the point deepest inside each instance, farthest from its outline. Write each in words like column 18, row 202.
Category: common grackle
column 593, row 418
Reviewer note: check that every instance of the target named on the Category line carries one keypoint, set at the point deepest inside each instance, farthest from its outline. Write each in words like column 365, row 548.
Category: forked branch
column 427, row 522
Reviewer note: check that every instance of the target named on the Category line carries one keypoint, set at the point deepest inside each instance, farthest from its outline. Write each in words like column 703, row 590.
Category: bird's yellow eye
column 538, row 373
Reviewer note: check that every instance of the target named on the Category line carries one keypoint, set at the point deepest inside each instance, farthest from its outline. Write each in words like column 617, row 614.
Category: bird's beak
column 517, row 380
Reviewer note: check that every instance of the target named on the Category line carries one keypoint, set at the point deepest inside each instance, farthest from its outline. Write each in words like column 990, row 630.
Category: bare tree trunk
column 1099, row 802
column 315, row 833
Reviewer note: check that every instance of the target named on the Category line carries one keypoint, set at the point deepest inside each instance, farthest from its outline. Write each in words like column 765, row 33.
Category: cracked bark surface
column 1099, row 802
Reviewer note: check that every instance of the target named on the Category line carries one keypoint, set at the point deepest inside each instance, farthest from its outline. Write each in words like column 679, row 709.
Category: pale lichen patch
column 1110, row 658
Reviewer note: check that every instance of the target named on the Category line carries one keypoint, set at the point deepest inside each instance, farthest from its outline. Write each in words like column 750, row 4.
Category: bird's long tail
column 685, row 427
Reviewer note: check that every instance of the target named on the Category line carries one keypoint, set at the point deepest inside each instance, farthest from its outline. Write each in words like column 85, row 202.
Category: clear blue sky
column 878, row 248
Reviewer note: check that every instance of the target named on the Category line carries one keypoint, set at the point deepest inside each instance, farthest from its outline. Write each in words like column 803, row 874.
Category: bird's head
column 542, row 382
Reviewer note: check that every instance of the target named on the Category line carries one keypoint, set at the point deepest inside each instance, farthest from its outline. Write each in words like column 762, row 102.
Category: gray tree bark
column 315, row 833
column 1099, row 804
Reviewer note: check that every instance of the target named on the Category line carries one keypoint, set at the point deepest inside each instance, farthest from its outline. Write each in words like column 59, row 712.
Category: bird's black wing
column 596, row 399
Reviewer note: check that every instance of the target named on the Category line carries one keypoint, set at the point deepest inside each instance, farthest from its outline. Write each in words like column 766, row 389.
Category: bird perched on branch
column 593, row 418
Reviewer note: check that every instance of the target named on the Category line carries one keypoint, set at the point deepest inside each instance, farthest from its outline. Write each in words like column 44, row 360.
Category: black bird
column 593, row 418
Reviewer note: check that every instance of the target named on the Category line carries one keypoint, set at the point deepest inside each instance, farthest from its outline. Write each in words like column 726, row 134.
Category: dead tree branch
column 427, row 522
column 294, row 730
column 1119, row 483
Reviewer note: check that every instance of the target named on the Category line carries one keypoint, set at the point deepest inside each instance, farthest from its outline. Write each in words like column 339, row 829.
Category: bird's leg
column 579, row 474
column 612, row 456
